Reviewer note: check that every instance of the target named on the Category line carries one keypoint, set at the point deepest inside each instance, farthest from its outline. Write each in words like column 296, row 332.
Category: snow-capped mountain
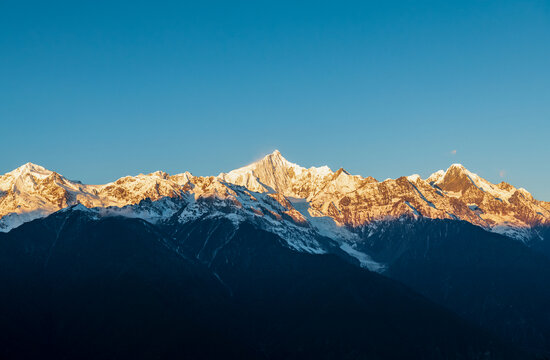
column 300, row 204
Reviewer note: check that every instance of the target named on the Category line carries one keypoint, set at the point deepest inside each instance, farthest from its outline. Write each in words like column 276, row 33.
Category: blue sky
column 100, row 89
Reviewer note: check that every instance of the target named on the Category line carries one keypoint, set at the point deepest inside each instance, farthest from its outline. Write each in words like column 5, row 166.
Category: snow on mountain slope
column 31, row 191
column 502, row 207
column 297, row 202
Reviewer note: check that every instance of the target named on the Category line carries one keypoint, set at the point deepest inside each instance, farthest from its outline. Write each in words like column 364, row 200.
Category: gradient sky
column 100, row 89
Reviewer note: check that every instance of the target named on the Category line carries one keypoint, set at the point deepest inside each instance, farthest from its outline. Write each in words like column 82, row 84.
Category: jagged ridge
column 284, row 194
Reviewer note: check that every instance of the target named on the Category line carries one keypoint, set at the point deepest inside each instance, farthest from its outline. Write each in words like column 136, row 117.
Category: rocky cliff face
column 280, row 191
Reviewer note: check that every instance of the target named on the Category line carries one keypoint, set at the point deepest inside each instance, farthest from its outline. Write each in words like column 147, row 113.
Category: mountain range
column 316, row 199
column 273, row 260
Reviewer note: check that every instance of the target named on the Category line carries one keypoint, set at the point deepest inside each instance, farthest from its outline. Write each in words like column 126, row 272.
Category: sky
column 96, row 90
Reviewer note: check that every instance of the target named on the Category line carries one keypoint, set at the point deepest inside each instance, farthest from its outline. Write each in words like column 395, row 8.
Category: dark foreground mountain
column 494, row 281
column 74, row 286
column 542, row 242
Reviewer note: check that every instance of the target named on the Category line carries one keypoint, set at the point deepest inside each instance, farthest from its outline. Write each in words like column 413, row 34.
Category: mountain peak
column 456, row 178
column 270, row 161
column 276, row 158
column 275, row 173
column 30, row 169
column 458, row 170
column 457, row 166
column 272, row 170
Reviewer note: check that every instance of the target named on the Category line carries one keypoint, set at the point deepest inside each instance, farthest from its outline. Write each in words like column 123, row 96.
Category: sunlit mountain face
column 274, row 188
column 273, row 260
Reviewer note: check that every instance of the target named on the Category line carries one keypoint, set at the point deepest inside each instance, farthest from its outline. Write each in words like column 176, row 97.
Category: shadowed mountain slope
column 78, row 286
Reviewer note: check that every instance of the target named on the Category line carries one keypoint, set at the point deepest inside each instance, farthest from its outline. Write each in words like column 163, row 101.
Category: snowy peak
column 457, row 166
column 275, row 157
column 275, row 170
column 274, row 173
column 28, row 178
column 29, row 169
column 457, row 179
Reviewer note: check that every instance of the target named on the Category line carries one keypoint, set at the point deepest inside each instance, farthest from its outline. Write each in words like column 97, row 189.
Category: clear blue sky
column 100, row 89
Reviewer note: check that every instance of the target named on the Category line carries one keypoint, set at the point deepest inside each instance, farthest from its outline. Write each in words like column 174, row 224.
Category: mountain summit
column 276, row 174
